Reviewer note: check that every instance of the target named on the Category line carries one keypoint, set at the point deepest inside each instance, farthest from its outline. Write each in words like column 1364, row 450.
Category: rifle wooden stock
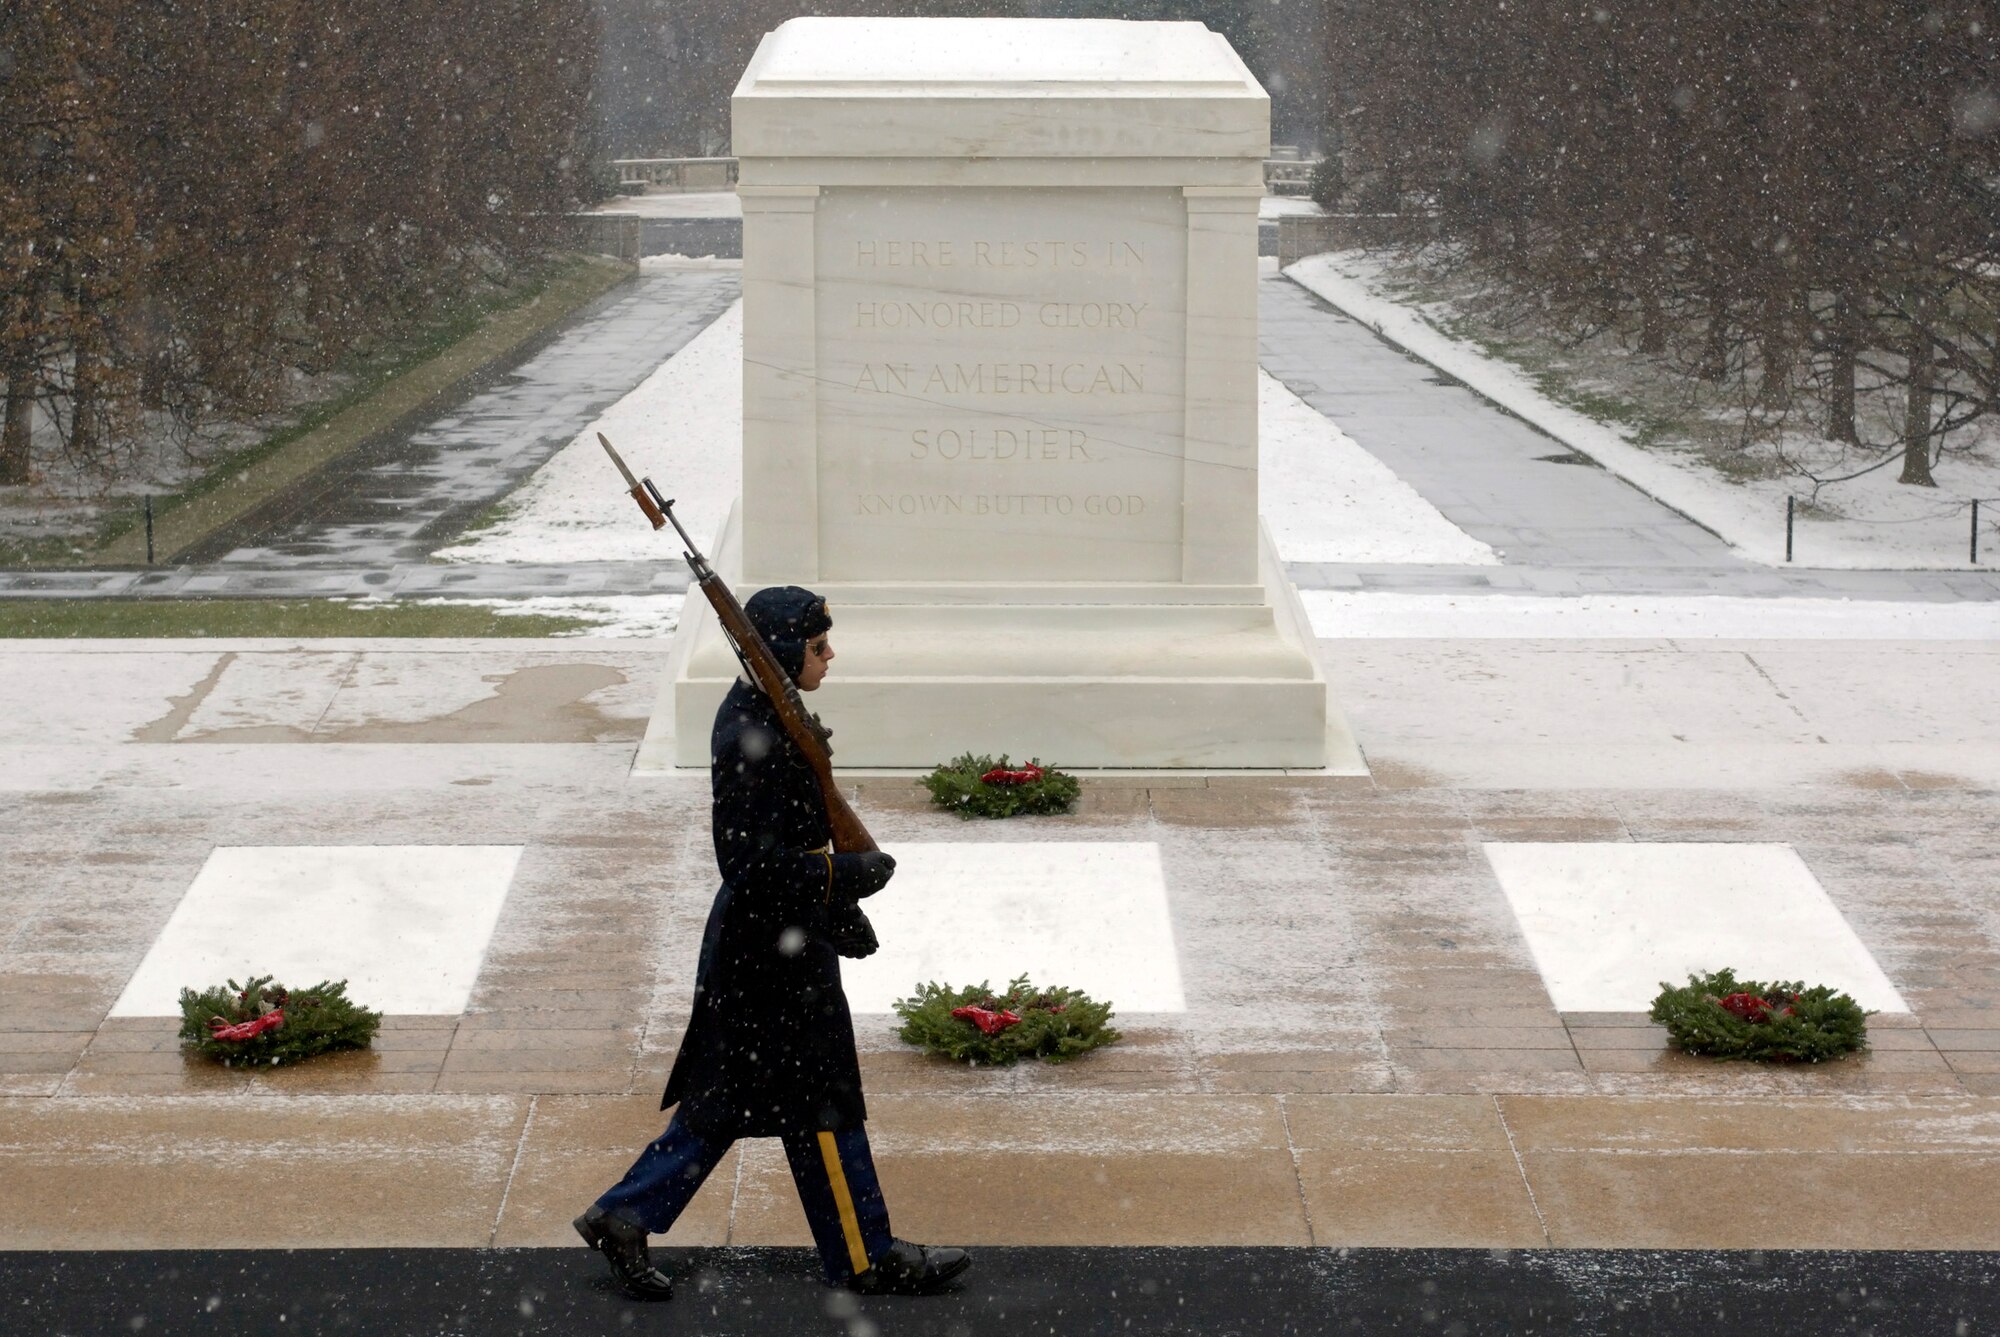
column 849, row 834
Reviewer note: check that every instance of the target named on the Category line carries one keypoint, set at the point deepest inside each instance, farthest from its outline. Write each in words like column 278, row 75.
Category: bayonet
column 644, row 493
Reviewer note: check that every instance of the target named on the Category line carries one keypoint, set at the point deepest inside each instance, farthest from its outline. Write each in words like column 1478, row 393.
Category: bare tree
column 1774, row 194
column 198, row 198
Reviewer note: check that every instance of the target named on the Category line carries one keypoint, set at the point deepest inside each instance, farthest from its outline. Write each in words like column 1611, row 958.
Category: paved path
column 398, row 498
column 1563, row 524
column 1494, row 476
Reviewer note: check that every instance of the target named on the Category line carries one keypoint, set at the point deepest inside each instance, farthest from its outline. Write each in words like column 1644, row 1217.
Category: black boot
column 911, row 1269
column 623, row 1245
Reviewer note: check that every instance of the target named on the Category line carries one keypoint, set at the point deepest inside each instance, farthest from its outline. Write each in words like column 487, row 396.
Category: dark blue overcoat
column 769, row 1047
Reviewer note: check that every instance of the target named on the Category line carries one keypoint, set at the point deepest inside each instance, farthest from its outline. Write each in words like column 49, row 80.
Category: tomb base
column 1125, row 676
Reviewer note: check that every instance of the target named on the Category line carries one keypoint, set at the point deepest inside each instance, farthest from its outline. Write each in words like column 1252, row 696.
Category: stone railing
column 1299, row 237
column 1289, row 175
column 671, row 174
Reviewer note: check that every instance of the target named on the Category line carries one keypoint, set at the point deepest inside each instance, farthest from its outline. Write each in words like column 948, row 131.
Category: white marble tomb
column 1000, row 399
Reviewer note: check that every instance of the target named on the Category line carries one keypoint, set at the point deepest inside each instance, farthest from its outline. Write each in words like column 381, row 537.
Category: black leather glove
column 849, row 930
column 858, row 875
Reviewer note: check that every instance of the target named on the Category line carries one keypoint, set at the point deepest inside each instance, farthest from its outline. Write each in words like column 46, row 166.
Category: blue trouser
column 834, row 1173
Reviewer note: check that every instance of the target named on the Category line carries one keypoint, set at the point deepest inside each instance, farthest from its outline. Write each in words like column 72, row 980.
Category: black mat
column 1010, row 1293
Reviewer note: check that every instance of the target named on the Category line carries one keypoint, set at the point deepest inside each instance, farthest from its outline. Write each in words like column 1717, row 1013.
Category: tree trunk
column 1715, row 352
column 1917, row 405
column 1652, row 321
column 17, row 438
column 1993, row 373
column 83, row 433
column 1774, row 339
column 1652, row 318
column 1844, row 343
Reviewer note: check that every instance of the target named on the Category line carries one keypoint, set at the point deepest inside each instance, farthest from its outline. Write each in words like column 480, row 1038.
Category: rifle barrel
column 696, row 562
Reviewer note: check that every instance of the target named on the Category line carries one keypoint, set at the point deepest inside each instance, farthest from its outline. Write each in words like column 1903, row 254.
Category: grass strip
column 81, row 619
column 383, row 396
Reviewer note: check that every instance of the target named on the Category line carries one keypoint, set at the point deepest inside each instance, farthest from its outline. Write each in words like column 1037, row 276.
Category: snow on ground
column 1387, row 615
column 641, row 616
column 1351, row 614
column 1287, row 206
column 725, row 204
column 1884, row 527
column 682, row 427
column 672, row 204
column 668, row 260
column 1325, row 499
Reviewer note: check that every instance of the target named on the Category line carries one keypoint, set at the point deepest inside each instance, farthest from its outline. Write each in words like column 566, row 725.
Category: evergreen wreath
column 976, row 1026
column 982, row 787
column 265, row 1023
column 1724, row 1017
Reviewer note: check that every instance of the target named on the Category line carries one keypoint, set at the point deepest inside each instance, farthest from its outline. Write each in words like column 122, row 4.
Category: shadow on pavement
column 1011, row 1292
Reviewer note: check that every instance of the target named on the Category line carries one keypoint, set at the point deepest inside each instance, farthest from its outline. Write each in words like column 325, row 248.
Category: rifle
column 763, row 668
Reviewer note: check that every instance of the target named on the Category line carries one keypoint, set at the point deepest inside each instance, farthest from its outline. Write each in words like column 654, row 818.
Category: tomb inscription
column 1000, row 383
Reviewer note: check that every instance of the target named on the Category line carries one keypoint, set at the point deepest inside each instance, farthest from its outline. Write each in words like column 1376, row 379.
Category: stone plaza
column 1366, row 1053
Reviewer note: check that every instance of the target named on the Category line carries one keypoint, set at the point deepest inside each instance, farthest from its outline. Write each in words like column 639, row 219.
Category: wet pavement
column 400, row 497
column 716, row 238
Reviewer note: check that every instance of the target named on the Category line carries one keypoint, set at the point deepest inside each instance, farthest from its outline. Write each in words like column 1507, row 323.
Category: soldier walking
column 769, row 1049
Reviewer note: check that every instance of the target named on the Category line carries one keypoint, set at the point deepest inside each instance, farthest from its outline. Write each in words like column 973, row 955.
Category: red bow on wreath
column 989, row 1023
column 1751, row 1008
column 219, row 1029
column 1027, row 775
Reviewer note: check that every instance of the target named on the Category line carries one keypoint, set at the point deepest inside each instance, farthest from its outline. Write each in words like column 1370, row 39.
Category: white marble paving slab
column 1607, row 922
column 405, row 925
column 1090, row 916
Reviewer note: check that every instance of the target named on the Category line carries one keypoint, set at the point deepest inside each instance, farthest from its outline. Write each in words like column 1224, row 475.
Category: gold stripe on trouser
column 850, row 1226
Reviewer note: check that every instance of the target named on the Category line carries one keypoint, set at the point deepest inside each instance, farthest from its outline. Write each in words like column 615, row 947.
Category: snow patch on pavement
column 1325, row 499
column 611, row 615
column 1287, row 206
column 1354, row 614
column 676, row 204
column 683, row 427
